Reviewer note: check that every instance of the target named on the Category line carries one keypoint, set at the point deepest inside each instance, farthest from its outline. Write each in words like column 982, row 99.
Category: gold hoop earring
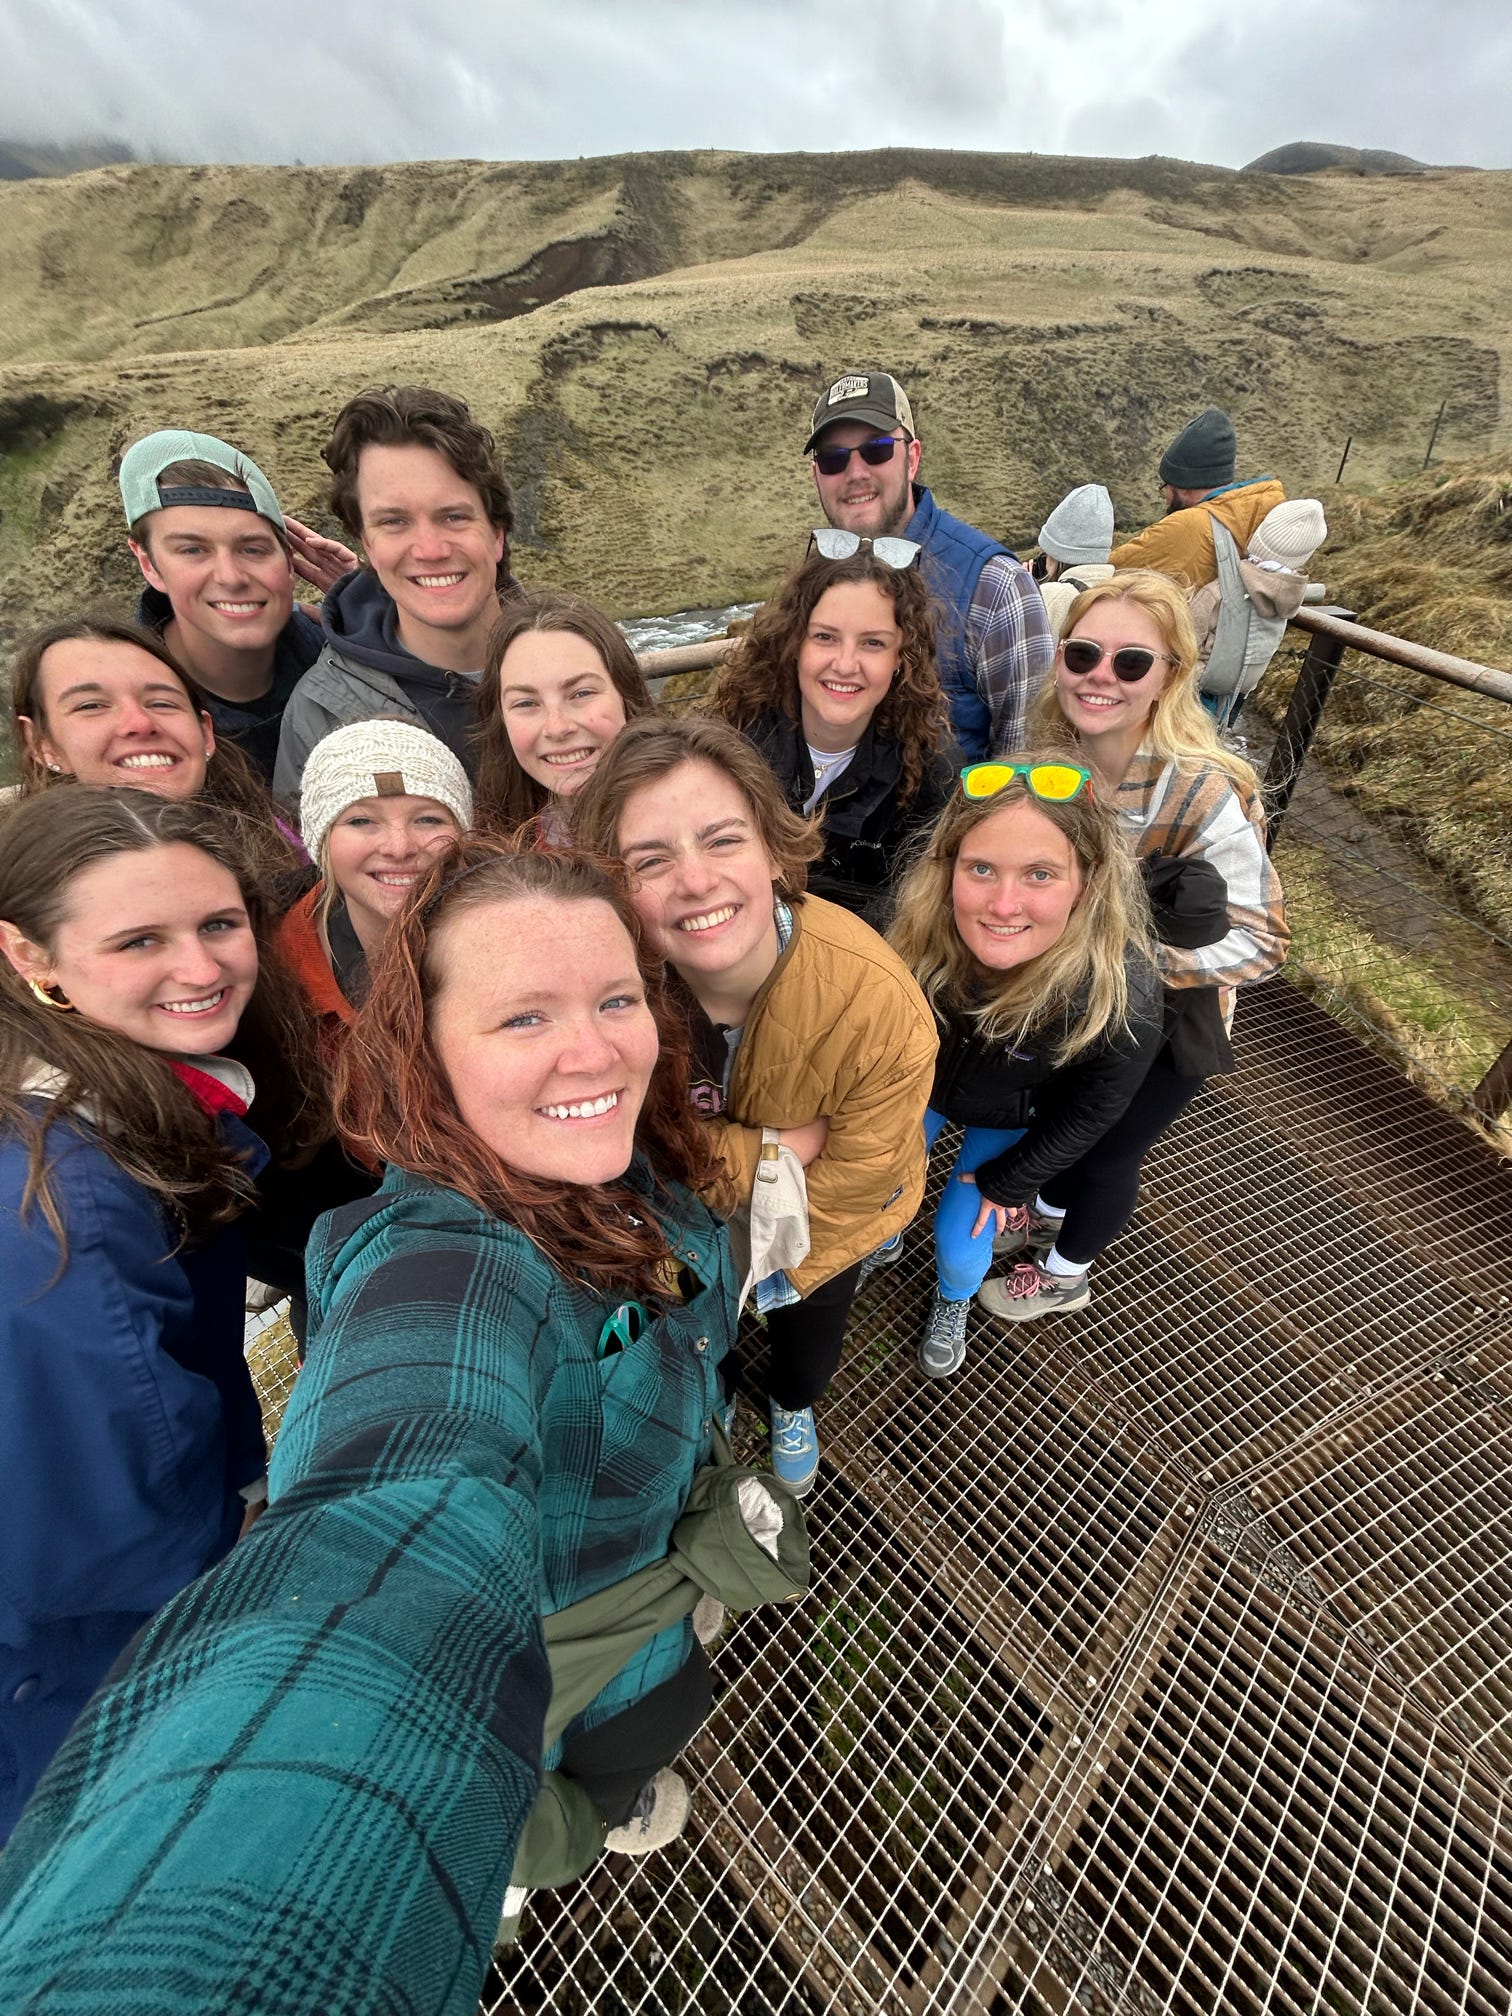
column 45, row 995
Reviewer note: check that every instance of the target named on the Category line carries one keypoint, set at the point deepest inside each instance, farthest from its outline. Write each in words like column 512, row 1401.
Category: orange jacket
column 1181, row 544
column 299, row 941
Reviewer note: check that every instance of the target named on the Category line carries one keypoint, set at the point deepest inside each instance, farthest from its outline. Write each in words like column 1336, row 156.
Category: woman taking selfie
column 97, row 701
column 512, row 1381
column 559, row 684
column 835, row 684
column 1123, row 702
column 804, row 1025
column 1024, row 923
column 130, row 1438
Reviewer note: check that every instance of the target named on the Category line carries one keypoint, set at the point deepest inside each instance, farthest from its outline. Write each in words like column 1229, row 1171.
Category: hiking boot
column 660, row 1815
column 1036, row 1234
column 886, row 1255
column 795, row 1447
column 942, row 1347
column 1028, row 1292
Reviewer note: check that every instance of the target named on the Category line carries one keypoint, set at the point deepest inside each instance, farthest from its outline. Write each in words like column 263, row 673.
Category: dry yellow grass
column 646, row 334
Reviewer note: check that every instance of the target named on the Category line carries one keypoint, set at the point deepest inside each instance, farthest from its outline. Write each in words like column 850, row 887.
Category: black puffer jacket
column 865, row 833
column 1064, row 1108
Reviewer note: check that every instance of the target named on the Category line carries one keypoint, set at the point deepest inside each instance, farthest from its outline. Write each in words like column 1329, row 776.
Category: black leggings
column 1098, row 1193
column 613, row 1762
column 807, row 1339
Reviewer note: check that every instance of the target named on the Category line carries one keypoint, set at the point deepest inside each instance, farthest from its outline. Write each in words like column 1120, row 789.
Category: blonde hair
column 1082, row 979
column 1180, row 730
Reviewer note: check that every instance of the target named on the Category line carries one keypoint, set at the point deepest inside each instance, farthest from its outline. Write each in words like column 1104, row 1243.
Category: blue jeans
column 961, row 1261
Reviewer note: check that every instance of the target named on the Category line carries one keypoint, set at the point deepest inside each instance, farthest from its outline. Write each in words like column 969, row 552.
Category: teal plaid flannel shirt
column 301, row 1790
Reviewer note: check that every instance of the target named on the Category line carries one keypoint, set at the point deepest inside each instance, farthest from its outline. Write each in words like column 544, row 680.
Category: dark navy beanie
column 1203, row 455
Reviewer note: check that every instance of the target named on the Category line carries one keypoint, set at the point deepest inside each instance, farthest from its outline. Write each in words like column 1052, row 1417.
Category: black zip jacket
column 865, row 832
column 1064, row 1109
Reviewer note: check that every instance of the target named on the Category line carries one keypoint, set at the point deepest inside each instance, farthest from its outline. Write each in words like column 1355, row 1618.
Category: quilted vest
column 952, row 561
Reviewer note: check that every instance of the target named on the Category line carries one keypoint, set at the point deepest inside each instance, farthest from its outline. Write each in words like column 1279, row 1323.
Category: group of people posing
column 414, row 962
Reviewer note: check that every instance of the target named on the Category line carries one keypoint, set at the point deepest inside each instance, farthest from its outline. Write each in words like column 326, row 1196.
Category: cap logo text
column 848, row 388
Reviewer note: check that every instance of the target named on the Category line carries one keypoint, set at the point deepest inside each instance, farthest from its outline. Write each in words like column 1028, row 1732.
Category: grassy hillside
column 647, row 334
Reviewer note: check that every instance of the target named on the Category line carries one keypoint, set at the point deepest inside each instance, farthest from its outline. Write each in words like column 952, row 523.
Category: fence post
column 1437, row 422
column 1294, row 738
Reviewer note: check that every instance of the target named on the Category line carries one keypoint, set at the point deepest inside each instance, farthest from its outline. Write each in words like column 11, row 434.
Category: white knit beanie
column 1290, row 533
column 378, row 759
column 1079, row 531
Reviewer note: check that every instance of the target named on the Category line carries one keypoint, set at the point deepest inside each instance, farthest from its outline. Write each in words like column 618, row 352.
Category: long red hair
column 394, row 1104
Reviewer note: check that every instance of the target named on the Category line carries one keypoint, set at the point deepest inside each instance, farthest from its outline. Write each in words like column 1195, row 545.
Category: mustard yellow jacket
column 839, row 1029
column 1181, row 544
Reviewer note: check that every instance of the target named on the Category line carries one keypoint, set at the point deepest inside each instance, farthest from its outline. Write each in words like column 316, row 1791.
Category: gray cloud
column 376, row 80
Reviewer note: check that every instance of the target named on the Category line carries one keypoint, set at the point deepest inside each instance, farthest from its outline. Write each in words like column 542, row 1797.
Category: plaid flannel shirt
column 1010, row 645
column 303, row 1790
column 1194, row 810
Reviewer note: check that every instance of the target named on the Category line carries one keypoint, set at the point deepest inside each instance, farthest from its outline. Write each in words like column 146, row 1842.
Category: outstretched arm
column 327, row 1747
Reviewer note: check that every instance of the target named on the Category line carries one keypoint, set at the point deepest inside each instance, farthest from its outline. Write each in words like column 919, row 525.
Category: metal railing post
column 1294, row 738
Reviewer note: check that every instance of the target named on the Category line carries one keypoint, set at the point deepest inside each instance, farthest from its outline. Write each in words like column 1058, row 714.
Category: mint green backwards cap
column 145, row 460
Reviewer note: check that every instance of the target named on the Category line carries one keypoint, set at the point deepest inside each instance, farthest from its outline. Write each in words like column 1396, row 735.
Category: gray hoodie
column 363, row 671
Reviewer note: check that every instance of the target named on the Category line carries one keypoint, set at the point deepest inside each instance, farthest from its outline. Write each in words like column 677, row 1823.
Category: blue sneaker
column 795, row 1447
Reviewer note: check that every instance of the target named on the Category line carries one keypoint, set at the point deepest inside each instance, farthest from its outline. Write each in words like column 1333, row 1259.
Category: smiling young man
column 994, row 643
column 417, row 482
column 213, row 547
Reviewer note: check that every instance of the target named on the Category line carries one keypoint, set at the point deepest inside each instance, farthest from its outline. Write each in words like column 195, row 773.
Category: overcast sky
column 382, row 80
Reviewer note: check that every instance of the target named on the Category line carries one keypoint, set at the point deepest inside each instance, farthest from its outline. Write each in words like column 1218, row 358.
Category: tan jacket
column 839, row 1029
column 1181, row 544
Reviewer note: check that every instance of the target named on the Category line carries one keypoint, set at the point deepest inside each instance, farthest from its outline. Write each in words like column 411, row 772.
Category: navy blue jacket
column 128, row 1424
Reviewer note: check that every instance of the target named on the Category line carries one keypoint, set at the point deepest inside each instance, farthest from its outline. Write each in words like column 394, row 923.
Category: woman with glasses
column 1124, row 703
column 835, row 684
column 1024, row 923
column 808, row 1033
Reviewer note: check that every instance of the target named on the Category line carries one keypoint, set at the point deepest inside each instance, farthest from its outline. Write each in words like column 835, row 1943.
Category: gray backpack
column 1244, row 642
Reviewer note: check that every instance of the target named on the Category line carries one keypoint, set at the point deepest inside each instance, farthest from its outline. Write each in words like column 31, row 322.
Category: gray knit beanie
column 1079, row 531
column 1203, row 455
column 378, row 759
column 1290, row 533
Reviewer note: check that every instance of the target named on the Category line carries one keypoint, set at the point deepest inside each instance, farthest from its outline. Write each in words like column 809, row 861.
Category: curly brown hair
column 505, row 796
column 394, row 1104
column 417, row 416
column 232, row 786
column 761, row 673
column 146, row 1118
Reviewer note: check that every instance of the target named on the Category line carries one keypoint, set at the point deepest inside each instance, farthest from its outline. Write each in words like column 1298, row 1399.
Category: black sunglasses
column 1130, row 661
column 832, row 461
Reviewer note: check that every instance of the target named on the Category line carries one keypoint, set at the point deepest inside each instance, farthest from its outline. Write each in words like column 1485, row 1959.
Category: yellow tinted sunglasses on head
column 1055, row 782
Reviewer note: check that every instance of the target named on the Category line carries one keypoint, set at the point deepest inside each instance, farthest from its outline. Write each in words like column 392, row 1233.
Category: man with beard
column 994, row 643
column 1197, row 483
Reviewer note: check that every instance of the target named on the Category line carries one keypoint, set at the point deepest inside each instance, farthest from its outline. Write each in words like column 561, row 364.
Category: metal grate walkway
column 1162, row 1660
